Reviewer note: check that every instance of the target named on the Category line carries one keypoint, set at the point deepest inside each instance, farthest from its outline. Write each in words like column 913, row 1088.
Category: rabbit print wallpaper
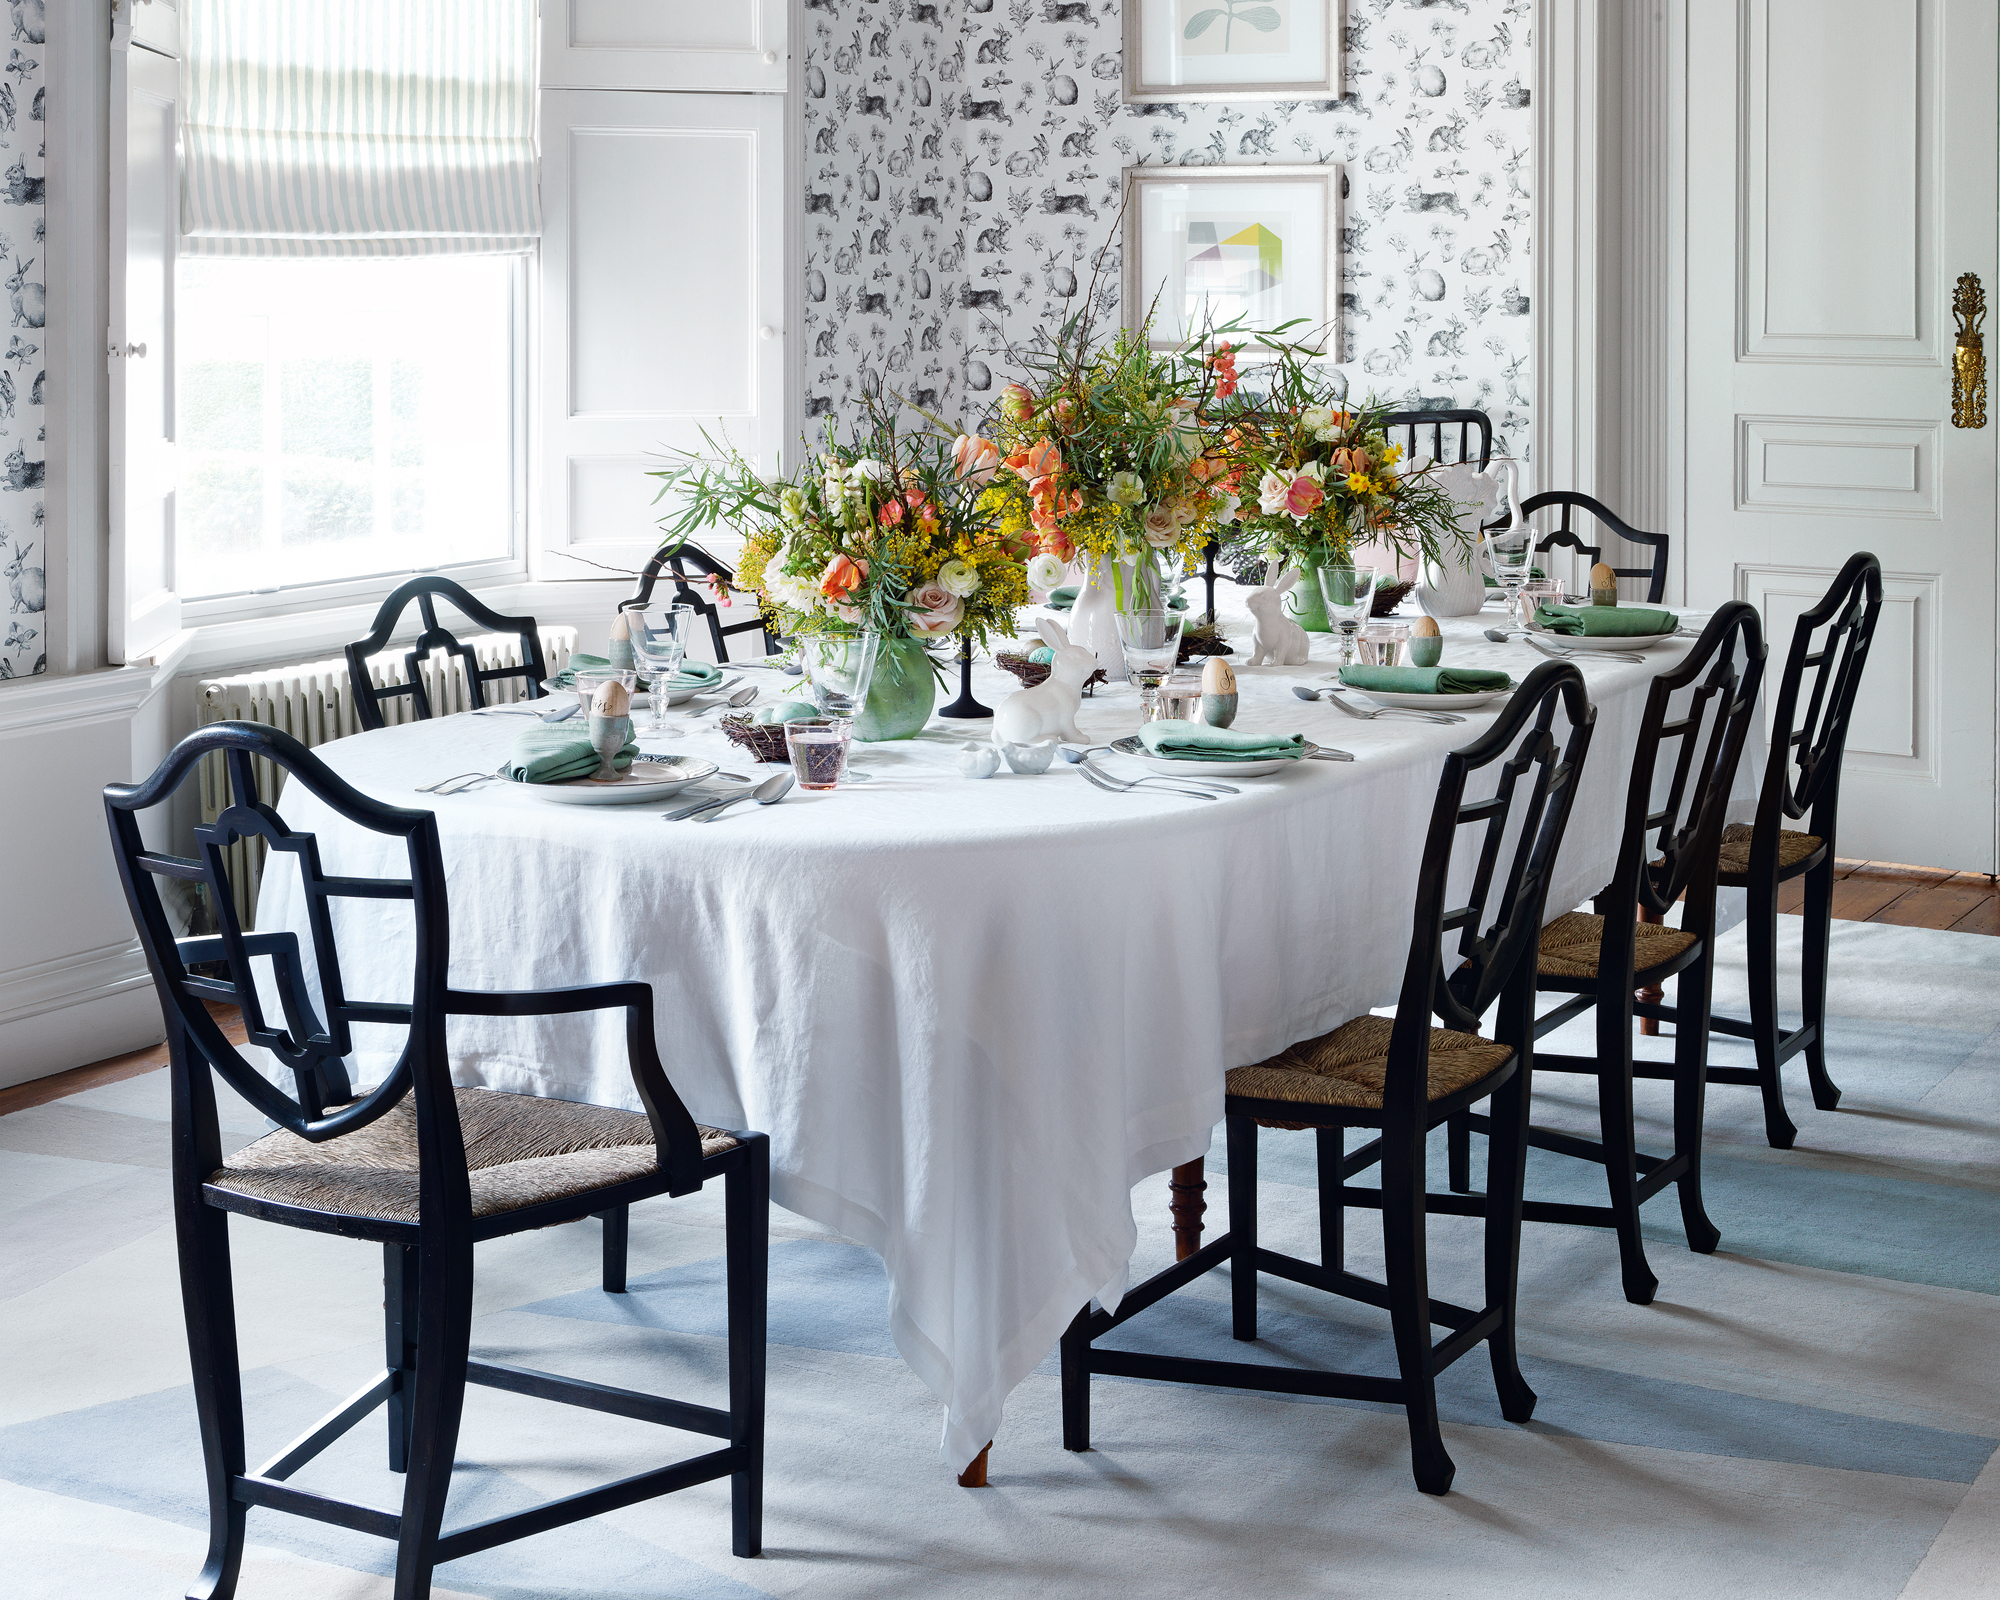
column 23, row 435
column 962, row 170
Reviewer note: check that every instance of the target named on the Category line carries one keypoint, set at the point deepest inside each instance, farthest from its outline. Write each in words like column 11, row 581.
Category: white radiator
column 312, row 701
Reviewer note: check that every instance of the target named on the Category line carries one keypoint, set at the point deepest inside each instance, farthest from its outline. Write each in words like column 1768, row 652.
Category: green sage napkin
column 1178, row 740
column 1605, row 622
column 556, row 754
column 696, row 675
column 1424, row 680
column 1063, row 598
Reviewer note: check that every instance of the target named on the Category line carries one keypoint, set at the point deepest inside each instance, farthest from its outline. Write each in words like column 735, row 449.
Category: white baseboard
column 90, row 1028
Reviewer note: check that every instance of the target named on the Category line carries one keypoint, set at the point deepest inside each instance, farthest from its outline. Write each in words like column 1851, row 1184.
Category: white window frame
column 325, row 594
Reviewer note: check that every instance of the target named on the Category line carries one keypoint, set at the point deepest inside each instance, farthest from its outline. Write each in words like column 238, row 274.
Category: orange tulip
column 842, row 577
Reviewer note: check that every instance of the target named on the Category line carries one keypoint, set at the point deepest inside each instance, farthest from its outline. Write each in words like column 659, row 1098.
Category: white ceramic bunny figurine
column 1277, row 640
column 1048, row 710
column 1456, row 586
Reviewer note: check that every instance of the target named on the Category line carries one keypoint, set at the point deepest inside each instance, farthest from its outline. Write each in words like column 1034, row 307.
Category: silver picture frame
column 1145, row 20
column 1145, row 267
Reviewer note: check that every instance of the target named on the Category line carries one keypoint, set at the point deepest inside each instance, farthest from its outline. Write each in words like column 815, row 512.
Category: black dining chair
column 1666, row 854
column 1808, row 742
column 422, row 1169
column 1404, row 1077
column 1471, row 425
column 370, row 698
column 689, row 564
column 1565, row 536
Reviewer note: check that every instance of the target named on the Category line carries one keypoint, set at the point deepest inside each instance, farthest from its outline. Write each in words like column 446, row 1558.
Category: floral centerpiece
column 881, row 532
column 1318, row 479
column 1104, row 459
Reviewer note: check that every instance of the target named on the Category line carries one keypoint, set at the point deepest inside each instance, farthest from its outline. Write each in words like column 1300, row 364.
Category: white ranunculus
column 869, row 468
column 959, row 578
column 1045, row 572
column 1315, row 419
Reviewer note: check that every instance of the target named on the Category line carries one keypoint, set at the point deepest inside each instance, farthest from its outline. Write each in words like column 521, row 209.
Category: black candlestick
column 965, row 705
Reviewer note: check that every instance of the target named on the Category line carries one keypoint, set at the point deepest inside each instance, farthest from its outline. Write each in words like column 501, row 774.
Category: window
column 344, row 419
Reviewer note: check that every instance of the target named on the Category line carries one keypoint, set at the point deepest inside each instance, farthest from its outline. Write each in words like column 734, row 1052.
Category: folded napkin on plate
column 696, row 675
column 555, row 755
column 1424, row 680
column 1177, row 740
column 1605, row 622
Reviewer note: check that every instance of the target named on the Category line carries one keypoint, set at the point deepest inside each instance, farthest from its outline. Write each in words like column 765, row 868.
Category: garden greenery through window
column 343, row 419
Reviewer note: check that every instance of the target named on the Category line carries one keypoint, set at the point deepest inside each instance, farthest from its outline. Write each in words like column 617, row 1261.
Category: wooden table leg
column 974, row 1476
column 1186, row 1206
column 1653, row 994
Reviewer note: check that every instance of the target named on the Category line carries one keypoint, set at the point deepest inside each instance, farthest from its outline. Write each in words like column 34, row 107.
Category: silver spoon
column 768, row 793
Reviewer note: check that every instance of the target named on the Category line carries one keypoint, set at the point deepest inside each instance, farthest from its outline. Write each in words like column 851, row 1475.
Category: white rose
column 1271, row 494
column 867, row 467
column 1045, row 572
column 1161, row 529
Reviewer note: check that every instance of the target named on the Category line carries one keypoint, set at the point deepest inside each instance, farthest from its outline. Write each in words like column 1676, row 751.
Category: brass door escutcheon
column 1968, row 359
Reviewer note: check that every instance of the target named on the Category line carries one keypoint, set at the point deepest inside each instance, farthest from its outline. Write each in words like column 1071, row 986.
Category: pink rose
column 1161, row 528
column 934, row 609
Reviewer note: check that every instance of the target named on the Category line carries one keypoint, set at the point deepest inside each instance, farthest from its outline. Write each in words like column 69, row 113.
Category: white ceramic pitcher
column 1456, row 586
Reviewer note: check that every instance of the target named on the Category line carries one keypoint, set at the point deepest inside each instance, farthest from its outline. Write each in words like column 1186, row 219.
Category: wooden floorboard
column 40, row 1091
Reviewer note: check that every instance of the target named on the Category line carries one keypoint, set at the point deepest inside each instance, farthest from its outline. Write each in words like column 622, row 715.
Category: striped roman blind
column 359, row 127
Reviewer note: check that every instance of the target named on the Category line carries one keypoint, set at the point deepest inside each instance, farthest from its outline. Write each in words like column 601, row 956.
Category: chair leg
column 1762, row 941
column 1621, row 1168
column 747, row 1234
column 1332, row 1199
column 1693, row 991
column 1242, row 1142
column 1653, row 993
column 1506, row 1175
column 1458, row 1154
column 400, row 1318
column 209, row 1300
column 1409, row 1303
column 444, row 1338
column 1076, row 1382
column 617, row 1237
column 1818, row 937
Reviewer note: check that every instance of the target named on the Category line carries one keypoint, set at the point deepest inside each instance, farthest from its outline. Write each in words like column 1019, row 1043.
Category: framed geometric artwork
column 1205, row 246
column 1233, row 49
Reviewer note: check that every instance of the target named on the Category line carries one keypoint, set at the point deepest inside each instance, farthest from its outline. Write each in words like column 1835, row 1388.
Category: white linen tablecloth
column 970, row 1015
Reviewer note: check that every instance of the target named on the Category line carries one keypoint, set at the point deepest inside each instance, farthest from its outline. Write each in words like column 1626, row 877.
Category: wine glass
column 660, row 637
column 1151, row 637
column 1349, row 592
column 839, row 668
column 1512, row 552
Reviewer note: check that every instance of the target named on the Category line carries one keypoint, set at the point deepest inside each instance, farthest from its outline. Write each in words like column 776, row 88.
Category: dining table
column 971, row 1014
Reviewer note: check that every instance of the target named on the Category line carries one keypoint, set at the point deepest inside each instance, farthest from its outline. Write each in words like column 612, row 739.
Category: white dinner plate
column 1432, row 702
column 643, row 780
column 1635, row 641
column 1130, row 746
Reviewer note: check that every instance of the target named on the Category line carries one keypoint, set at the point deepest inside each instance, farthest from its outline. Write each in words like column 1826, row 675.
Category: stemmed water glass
column 839, row 668
column 1151, row 637
column 1512, row 552
column 660, row 637
column 1349, row 592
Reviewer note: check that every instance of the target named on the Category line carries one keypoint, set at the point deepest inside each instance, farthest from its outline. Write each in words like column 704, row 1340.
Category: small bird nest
column 764, row 740
column 1033, row 672
column 1203, row 639
column 1389, row 596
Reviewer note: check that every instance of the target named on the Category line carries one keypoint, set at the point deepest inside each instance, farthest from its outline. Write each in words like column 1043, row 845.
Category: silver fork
column 1442, row 718
column 1557, row 653
column 1111, row 785
column 1153, row 777
column 462, row 782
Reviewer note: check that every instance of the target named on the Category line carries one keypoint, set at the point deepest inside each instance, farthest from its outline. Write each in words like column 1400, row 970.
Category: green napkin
column 1535, row 575
column 1424, row 680
column 1178, row 740
column 1605, row 622
column 696, row 675
column 1062, row 599
column 555, row 754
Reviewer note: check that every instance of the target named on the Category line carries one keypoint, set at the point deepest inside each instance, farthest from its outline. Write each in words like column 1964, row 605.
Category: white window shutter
column 664, row 44
column 662, row 309
column 139, row 346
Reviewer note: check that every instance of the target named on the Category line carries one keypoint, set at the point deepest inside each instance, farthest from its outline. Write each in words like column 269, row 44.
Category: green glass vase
column 900, row 695
column 1304, row 602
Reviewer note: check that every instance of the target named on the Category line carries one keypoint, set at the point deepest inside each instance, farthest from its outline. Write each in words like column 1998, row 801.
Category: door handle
column 1968, row 356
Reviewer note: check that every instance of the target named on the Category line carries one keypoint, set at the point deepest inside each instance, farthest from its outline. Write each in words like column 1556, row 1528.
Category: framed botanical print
column 1233, row 49
column 1205, row 246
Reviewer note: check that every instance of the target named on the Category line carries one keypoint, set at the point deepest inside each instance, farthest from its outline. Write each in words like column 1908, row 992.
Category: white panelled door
column 1840, row 178
column 662, row 309
column 664, row 44
column 145, row 234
